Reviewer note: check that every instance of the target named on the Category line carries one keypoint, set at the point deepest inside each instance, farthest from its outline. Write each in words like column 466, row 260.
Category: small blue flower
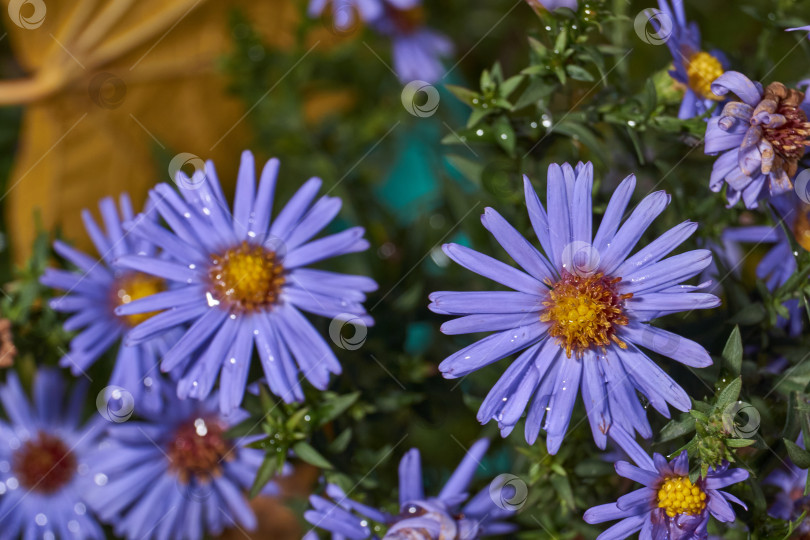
column 759, row 139
column 44, row 455
column 344, row 12
column 551, row 5
column 692, row 66
column 240, row 279
column 790, row 501
column 174, row 473
column 92, row 294
column 578, row 313
column 416, row 48
column 779, row 263
column 419, row 516
column 669, row 506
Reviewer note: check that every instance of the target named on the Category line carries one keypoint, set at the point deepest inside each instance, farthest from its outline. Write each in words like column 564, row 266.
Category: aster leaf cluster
column 288, row 430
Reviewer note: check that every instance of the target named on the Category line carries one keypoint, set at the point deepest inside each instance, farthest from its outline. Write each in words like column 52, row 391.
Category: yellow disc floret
column 246, row 278
column 701, row 70
column 134, row 286
column 584, row 312
column 678, row 495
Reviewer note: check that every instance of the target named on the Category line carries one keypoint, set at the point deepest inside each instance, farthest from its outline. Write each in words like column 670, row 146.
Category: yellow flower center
column 134, row 286
column 801, row 227
column 678, row 495
column 702, row 69
column 246, row 278
column 584, row 311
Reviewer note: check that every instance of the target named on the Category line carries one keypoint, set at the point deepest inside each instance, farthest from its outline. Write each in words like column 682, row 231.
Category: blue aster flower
column 175, row 473
column 579, row 312
column 759, row 139
column 552, row 5
column 345, row 12
column 779, row 263
column 790, row 502
column 240, row 279
column 669, row 506
column 693, row 67
column 417, row 49
column 447, row 515
column 92, row 293
column 44, row 455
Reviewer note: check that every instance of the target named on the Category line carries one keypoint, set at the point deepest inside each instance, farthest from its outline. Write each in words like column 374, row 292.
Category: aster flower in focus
column 416, row 48
column 44, row 455
column 92, row 293
column 443, row 516
column 693, row 67
column 759, row 139
column 779, row 263
column 241, row 279
column 579, row 312
column 669, row 506
column 175, row 473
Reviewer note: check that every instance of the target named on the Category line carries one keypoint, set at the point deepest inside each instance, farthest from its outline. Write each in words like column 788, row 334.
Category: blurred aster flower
column 579, row 312
column 669, row 506
column 420, row 516
column 240, row 279
column 175, row 473
column 416, row 48
column 43, row 458
column 693, row 67
column 790, row 502
column 95, row 290
column 760, row 139
column 551, row 5
column 345, row 12
column 779, row 263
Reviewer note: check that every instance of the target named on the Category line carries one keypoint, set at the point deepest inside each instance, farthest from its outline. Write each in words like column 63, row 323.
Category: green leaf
column 678, row 428
column 505, row 135
column 335, row 407
column 535, row 92
column 563, row 489
column 739, row 443
column 733, row 352
column 579, row 73
column 264, row 474
column 341, row 441
column 463, row 94
column 510, row 84
column 798, row 455
column 307, row 453
column 729, row 394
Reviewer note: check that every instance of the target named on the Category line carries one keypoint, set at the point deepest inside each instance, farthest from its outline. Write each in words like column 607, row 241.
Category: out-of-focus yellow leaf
column 112, row 82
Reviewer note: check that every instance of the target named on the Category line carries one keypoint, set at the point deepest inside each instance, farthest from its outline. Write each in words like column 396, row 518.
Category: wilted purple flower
column 420, row 516
column 96, row 289
column 779, row 263
column 760, row 139
column 693, row 67
column 579, row 313
column 669, row 506
column 240, row 278
column 175, row 473
column 44, row 456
